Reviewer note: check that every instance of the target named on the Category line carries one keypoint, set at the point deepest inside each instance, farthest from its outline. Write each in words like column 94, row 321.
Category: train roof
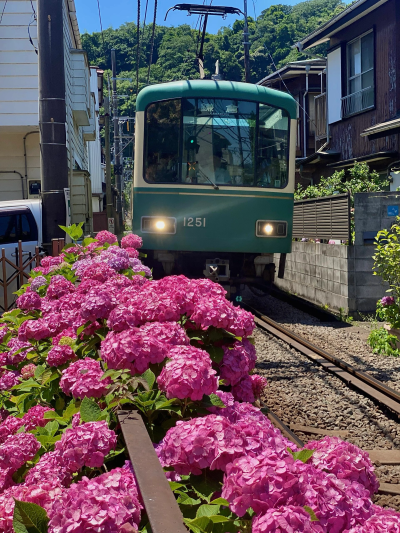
column 216, row 89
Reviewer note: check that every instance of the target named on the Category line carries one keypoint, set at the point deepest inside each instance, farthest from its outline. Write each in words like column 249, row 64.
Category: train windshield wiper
column 209, row 180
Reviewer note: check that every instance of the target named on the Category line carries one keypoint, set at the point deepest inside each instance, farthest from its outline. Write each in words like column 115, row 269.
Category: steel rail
column 348, row 373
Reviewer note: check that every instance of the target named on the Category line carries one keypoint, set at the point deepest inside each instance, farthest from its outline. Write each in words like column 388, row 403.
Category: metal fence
column 358, row 101
column 323, row 218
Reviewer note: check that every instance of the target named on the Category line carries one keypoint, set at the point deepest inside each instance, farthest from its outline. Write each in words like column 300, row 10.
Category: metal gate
column 323, row 218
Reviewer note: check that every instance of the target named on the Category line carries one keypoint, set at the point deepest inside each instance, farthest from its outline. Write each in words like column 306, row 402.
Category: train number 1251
column 198, row 222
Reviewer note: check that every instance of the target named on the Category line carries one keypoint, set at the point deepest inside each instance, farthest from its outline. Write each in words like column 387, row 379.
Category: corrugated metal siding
column 322, row 218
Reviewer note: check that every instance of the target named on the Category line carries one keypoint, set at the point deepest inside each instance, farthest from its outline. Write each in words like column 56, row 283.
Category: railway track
column 359, row 380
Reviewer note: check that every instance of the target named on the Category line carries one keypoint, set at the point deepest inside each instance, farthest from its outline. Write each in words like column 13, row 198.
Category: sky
column 116, row 12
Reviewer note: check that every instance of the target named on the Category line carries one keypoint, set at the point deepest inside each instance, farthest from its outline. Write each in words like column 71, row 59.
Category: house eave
column 354, row 12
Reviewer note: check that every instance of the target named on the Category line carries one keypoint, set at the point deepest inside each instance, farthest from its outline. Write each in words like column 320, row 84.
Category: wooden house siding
column 18, row 66
column 346, row 133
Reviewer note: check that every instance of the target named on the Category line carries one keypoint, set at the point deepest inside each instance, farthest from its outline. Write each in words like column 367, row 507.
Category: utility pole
column 246, row 45
column 52, row 118
column 117, row 155
column 109, row 201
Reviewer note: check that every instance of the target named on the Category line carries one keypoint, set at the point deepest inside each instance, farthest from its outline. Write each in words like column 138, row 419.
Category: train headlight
column 271, row 228
column 268, row 229
column 160, row 225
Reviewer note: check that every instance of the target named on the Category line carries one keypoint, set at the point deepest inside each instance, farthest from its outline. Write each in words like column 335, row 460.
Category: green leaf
column 202, row 524
column 174, row 485
column 60, row 404
column 70, row 411
column 184, row 499
column 40, row 369
column 90, row 411
column 29, row 518
column 46, row 440
column 50, row 415
column 303, row 455
column 213, row 399
column 83, row 327
column 87, row 241
column 204, row 488
column 216, row 353
column 217, row 519
column 207, row 510
column 149, row 377
column 220, row 501
column 311, row 513
column 52, row 427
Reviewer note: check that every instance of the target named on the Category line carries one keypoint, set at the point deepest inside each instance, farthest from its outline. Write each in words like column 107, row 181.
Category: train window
column 216, row 141
column 272, row 147
column 163, row 121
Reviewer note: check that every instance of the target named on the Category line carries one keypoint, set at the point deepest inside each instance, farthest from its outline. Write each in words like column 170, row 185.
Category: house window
column 360, row 75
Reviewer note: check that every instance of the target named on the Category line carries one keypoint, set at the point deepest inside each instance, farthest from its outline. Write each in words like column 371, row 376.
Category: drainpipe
column 22, row 179
column 26, row 161
column 304, row 114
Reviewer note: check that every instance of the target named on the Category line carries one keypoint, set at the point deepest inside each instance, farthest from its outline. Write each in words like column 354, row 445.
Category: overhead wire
column 33, row 19
column 138, row 47
column 2, row 13
column 277, row 71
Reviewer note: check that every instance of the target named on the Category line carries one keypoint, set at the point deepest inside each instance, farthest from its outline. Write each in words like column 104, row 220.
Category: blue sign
column 392, row 210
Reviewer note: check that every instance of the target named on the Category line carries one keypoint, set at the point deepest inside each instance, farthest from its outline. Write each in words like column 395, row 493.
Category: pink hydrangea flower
column 105, row 236
column 28, row 371
column 207, row 442
column 96, row 271
column 59, row 355
column 243, row 391
column 258, row 383
column 37, row 282
column 69, row 333
column 132, row 252
column 15, row 345
column 86, row 445
column 220, row 313
column 131, row 241
column 189, row 374
column 239, row 359
column 387, row 300
column 9, row 426
column 97, row 305
column 169, row 333
column 381, row 521
column 108, row 503
column 17, row 449
column 29, row 301
column 345, row 460
column 34, row 329
column 51, row 469
column 289, row 519
column 124, row 317
column 82, row 378
column 34, row 417
column 133, row 349
column 59, row 286
column 89, row 284
column 49, row 261
column 8, row 379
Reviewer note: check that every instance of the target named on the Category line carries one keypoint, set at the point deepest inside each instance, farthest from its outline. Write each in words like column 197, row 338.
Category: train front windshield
column 214, row 141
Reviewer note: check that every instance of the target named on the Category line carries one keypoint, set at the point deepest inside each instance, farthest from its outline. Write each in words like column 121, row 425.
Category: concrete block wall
column 342, row 276
column 317, row 273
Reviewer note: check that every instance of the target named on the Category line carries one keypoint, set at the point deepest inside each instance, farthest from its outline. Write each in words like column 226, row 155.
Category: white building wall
column 95, row 166
column 18, row 66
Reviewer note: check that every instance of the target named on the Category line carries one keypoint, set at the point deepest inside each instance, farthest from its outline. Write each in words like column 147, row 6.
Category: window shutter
column 334, row 85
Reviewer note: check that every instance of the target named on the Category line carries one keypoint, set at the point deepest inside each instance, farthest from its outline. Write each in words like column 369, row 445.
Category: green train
column 214, row 177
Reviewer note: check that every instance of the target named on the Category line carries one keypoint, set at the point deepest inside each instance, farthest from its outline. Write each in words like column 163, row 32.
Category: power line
column 152, row 41
column 2, row 13
column 138, row 47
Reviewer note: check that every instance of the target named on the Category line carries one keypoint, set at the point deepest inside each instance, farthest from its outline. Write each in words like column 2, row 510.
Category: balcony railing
column 357, row 102
column 320, row 116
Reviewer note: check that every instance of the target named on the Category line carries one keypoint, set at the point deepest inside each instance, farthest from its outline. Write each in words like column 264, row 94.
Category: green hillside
column 271, row 37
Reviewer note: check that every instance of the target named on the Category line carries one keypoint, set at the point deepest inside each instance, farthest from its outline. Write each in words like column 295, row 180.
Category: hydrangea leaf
column 302, row 455
column 29, row 518
column 184, row 499
column 202, row 524
column 149, row 377
column 213, row 399
column 220, row 501
column 52, row 427
column 313, row 516
column 90, row 411
column 207, row 510
column 216, row 353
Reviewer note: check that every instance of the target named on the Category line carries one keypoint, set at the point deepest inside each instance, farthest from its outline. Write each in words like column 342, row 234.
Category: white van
column 20, row 220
